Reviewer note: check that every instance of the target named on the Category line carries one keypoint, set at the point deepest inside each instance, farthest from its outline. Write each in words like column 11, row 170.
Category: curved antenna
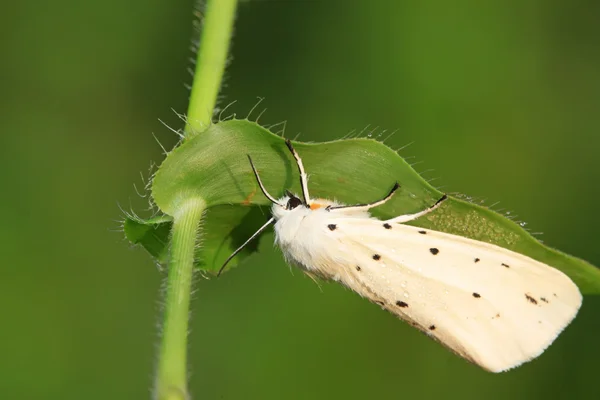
column 262, row 228
column 260, row 184
column 367, row 206
column 409, row 217
column 258, row 232
column 303, row 177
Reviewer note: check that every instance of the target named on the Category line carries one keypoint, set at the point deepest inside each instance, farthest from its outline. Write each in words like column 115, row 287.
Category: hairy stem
column 171, row 378
column 210, row 64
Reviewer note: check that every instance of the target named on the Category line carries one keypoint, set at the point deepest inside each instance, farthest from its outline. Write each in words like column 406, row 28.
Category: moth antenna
column 260, row 184
column 410, row 217
column 258, row 232
column 368, row 205
column 303, row 177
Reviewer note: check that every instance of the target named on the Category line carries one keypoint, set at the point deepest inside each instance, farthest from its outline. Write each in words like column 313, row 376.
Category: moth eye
column 293, row 202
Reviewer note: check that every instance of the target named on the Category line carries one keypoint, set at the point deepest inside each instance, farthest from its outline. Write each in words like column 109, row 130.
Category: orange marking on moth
column 316, row 206
column 247, row 200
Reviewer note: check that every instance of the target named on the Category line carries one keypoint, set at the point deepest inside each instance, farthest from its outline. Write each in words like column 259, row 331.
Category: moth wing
column 494, row 307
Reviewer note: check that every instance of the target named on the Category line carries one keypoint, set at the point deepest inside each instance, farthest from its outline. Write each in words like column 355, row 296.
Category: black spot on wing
column 544, row 300
column 387, row 226
column 423, row 232
column 332, row 227
column 358, row 268
column 434, row 251
column 476, row 295
column 477, row 260
column 402, row 304
column 376, row 257
column 432, row 327
column 530, row 298
column 505, row 265
column 379, row 302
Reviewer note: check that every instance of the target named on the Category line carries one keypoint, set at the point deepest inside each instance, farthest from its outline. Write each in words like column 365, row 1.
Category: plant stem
column 171, row 379
column 210, row 64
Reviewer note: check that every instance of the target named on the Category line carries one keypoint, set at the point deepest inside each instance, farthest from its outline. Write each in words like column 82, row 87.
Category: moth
column 494, row 307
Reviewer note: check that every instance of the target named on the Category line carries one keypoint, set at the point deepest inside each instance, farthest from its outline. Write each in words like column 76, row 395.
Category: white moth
column 491, row 306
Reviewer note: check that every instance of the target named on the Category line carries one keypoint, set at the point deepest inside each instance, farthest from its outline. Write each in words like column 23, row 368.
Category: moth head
column 292, row 201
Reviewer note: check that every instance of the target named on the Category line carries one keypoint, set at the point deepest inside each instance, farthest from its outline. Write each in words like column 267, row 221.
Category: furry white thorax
column 299, row 235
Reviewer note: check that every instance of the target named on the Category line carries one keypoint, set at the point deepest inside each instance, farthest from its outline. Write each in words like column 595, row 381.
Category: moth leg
column 359, row 207
column 409, row 217
column 303, row 176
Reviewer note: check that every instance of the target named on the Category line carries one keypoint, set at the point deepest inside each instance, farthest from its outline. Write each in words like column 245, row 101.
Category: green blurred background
column 500, row 98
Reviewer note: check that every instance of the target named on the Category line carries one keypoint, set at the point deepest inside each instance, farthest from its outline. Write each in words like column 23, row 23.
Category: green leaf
column 213, row 166
column 152, row 234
